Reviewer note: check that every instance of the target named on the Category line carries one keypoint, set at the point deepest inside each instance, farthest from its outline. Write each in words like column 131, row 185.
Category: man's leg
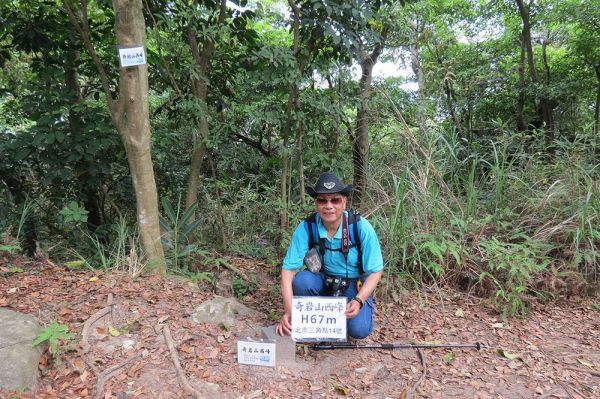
column 307, row 283
column 362, row 325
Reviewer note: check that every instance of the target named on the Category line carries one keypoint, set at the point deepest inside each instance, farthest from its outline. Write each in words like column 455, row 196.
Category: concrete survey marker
column 18, row 359
column 285, row 348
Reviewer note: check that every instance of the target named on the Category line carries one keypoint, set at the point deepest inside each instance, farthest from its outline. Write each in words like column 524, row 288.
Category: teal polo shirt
column 334, row 261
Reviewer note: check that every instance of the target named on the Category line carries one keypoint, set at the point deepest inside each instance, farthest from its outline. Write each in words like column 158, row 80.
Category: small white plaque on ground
column 132, row 56
column 259, row 353
column 318, row 318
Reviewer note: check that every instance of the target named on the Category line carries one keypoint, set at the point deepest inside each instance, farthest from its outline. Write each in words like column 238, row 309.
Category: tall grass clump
column 497, row 217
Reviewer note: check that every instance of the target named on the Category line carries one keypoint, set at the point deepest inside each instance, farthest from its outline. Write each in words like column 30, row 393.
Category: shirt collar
column 323, row 230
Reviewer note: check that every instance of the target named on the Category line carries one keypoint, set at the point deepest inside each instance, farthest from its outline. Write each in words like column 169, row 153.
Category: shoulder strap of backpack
column 353, row 218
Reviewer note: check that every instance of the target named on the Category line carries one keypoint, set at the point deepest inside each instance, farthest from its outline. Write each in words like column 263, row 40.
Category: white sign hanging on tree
column 318, row 318
column 132, row 56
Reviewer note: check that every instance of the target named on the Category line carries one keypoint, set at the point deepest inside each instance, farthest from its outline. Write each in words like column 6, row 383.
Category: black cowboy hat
column 328, row 183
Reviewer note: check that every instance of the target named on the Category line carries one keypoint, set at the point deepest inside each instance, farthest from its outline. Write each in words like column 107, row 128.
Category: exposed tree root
column 238, row 272
column 90, row 322
column 582, row 370
column 109, row 373
column 413, row 389
column 180, row 373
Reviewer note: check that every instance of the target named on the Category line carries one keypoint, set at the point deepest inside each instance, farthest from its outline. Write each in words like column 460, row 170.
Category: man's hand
column 285, row 325
column 352, row 309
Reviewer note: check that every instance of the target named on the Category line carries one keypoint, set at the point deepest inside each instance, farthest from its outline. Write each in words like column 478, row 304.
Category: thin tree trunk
column 202, row 59
column 300, row 163
column 546, row 104
column 544, row 108
column 521, row 126
column 360, row 145
column 287, row 127
column 220, row 218
column 597, row 108
column 526, row 34
column 89, row 194
column 415, row 63
column 450, row 105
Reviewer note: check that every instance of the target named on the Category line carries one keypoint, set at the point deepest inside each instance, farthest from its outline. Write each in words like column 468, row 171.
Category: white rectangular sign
column 132, row 56
column 318, row 318
column 256, row 353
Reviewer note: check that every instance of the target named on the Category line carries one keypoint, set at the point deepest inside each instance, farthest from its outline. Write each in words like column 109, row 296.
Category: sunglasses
column 334, row 200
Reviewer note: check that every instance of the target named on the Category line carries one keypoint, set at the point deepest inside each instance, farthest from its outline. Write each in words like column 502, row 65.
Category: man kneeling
column 349, row 253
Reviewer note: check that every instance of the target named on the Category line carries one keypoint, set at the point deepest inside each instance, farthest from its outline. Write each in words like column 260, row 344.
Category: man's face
column 331, row 207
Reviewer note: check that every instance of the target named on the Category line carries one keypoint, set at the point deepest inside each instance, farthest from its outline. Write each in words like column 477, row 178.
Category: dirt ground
column 554, row 352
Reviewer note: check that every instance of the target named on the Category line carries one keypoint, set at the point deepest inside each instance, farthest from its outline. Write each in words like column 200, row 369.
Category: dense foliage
column 481, row 167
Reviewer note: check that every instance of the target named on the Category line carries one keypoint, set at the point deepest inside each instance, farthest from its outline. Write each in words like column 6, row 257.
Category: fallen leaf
column 315, row 387
column 93, row 279
column 342, row 390
column 113, row 331
column 459, row 313
column 586, row 363
column 508, row 355
column 448, row 357
column 101, row 330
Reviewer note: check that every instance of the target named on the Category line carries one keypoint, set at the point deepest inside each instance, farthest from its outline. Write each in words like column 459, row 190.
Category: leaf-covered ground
column 554, row 352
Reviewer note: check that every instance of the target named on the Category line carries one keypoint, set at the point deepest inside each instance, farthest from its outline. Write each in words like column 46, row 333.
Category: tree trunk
column 544, row 109
column 597, row 108
column 521, row 126
column 415, row 63
column 546, row 104
column 202, row 59
column 292, row 103
column 360, row 144
column 220, row 217
column 130, row 116
column 133, row 123
column 88, row 193
column 300, row 162
column 526, row 34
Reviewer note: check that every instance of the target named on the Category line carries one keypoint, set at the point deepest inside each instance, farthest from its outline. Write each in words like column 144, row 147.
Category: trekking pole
column 332, row 346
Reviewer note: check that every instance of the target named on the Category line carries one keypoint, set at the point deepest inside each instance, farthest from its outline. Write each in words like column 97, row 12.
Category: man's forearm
column 287, row 276
column 369, row 286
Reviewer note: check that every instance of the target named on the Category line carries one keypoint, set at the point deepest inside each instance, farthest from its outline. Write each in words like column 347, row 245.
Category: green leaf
column 187, row 250
column 169, row 210
column 22, row 154
column 508, row 355
column 15, row 270
column 188, row 213
column 165, row 225
column 189, row 229
column 75, row 263
column 448, row 357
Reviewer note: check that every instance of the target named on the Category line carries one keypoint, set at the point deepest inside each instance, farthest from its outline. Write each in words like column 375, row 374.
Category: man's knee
column 360, row 331
column 307, row 283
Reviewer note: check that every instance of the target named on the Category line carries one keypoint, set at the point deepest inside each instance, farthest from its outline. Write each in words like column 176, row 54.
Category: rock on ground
column 18, row 359
column 221, row 310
